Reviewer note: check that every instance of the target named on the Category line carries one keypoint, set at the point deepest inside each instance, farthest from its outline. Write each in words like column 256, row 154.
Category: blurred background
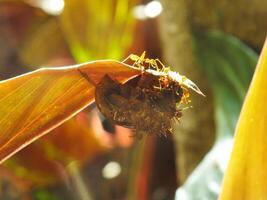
column 214, row 43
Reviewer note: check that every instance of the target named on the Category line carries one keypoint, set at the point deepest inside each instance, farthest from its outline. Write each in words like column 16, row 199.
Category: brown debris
column 141, row 103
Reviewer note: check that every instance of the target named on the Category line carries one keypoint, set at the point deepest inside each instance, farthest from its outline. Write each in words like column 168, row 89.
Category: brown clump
column 141, row 103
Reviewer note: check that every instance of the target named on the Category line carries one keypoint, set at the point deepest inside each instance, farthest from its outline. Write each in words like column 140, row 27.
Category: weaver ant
column 157, row 68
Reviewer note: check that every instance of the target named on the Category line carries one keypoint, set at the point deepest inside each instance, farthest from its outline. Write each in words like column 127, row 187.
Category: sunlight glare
column 153, row 9
column 53, row 7
column 150, row 10
column 111, row 170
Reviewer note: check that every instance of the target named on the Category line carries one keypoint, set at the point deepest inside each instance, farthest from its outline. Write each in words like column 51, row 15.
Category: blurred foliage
column 97, row 29
column 82, row 32
column 241, row 19
column 196, row 134
column 228, row 64
column 89, row 30
column 179, row 19
column 16, row 18
column 12, row 186
column 30, row 38
column 44, row 195
column 44, row 45
column 247, row 166
column 47, row 157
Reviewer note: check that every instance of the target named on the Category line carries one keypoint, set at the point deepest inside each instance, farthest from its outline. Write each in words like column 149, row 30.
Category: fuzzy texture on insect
column 148, row 103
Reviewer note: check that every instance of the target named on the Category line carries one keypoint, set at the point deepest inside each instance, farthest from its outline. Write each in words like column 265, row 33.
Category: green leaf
column 229, row 65
column 97, row 29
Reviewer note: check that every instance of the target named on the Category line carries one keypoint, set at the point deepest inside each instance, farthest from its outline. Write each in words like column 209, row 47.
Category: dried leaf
column 35, row 103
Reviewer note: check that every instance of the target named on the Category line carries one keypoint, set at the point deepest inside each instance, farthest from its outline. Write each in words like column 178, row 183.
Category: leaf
column 35, row 103
column 93, row 36
column 40, row 161
column 228, row 64
column 246, row 175
column 44, row 45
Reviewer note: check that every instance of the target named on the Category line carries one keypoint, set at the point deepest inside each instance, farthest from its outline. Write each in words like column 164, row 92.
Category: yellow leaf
column 246, row 176
column 35, row 103
column 90, row 35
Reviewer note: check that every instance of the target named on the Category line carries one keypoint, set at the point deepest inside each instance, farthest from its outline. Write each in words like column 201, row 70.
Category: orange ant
column 141, row 61
column 157, row 68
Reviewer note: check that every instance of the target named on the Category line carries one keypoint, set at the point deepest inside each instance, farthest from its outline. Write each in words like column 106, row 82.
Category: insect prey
column 147, row 103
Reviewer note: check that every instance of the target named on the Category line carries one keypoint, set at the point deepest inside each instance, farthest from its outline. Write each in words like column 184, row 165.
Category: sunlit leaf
column 91, row 35
column 35, row 103
column 246, row 176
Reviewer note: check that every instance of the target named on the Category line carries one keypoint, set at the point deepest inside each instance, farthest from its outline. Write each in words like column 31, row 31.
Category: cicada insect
column 149, row 102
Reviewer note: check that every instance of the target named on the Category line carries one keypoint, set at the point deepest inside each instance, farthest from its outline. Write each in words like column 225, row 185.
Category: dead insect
column 148, row 103
column 137, row 104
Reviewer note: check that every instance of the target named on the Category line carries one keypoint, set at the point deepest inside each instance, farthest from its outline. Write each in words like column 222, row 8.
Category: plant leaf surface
column 35, row 103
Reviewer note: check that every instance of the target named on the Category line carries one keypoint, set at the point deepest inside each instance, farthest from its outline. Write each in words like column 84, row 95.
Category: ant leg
column 162, row 65
column 185, row 96
column 156, row 65
column 134, row 58
column 152, row 64
column 160, row 84
column 127, row 58
column 160, row 88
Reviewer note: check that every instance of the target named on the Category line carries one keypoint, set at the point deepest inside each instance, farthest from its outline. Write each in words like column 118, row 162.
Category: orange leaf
column 42, row 162
column 35, row 103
